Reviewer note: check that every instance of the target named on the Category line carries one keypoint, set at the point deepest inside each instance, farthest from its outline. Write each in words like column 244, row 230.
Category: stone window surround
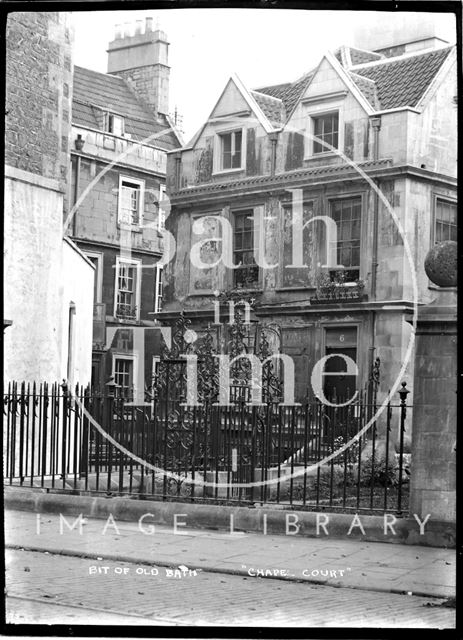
column 117, row 355
column 99, row 256
column 107, row 123
column 235, row 213
column 158, row 289
column 332, row 201
column 141, row 199
column 323, row 108
column 217, row 149
column 161, row 212
column 321, row 206
column 443, row 198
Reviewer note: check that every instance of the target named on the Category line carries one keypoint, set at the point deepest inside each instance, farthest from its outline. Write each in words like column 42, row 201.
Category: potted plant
column 332, row 287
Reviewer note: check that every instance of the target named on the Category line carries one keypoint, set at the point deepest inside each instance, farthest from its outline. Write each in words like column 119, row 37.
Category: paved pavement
column 20, row 610
column 65, row 590
column 393, row 568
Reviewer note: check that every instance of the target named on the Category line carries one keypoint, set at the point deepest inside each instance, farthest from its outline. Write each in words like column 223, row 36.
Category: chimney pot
column 117, row 31
column 127, row 29
column 148, row 24
column 138, row 27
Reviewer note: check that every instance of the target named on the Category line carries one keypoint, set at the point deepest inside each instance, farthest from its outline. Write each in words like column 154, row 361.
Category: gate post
column 433, row 472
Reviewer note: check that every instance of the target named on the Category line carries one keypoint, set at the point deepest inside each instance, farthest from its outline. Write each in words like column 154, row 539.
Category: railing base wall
column 279, row 521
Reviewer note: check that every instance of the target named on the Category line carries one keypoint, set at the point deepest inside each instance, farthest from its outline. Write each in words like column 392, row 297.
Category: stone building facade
column 121, row 134
column 365, row 139
column 48, row 281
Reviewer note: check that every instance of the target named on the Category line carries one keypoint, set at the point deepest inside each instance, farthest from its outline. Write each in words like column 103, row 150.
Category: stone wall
column 96, row 217
column 38, row 93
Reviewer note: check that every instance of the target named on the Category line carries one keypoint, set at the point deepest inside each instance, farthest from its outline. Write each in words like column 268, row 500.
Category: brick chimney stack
column 141, row 57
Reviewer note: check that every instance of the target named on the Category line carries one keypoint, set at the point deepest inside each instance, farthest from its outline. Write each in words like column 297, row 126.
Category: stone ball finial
column 441, row 264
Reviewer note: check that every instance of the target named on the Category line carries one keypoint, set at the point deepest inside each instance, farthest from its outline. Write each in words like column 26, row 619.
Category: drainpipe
column 76, row 195
column 79, row 145
column 178, row 160
column 273, row 158
column 376, row 125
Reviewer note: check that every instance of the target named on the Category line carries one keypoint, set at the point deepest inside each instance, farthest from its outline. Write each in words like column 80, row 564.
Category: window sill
column 133, row 228
column 205, row 293
column 243, row 290
column 323, row 154
column 131, row 321
column 220, row 172
column 296, row 288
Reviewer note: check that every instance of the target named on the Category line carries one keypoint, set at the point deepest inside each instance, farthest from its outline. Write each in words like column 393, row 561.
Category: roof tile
column 402, row 82
column 290, row 92
column 273, row 108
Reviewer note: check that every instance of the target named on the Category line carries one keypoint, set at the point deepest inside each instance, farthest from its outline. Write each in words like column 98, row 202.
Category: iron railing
column 86, row 441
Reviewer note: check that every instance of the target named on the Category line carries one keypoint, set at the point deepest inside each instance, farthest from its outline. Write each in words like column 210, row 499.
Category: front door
column 340, row 387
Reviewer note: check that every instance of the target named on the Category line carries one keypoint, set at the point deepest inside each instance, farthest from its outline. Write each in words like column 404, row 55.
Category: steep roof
column 368, row 89
column 289, row 92
column 386, row 83
column 273, row 108
column 95, row 92
column 402, row 82
column 349, row 56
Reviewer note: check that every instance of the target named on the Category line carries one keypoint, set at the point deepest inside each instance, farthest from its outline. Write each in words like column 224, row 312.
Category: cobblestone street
column 124, row 593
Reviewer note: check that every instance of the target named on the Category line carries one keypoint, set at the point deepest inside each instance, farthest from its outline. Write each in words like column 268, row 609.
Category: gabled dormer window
column 325, row 123
column 114, row 124
column 229, row 150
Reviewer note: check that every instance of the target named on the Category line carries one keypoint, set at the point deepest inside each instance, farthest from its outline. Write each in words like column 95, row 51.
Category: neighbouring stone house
column 367, row 139
column 47, row 280
column 121, row 132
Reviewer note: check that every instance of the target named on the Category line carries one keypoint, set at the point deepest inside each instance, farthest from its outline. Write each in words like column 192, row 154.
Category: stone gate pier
column 433, row 471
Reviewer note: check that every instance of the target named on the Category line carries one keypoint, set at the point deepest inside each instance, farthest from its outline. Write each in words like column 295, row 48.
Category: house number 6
column 341, row 338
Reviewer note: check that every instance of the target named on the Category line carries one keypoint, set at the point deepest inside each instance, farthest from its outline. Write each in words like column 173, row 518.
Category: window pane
column 318, row 127
column 226, row 142
column 345, row 257
column 236, row 164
